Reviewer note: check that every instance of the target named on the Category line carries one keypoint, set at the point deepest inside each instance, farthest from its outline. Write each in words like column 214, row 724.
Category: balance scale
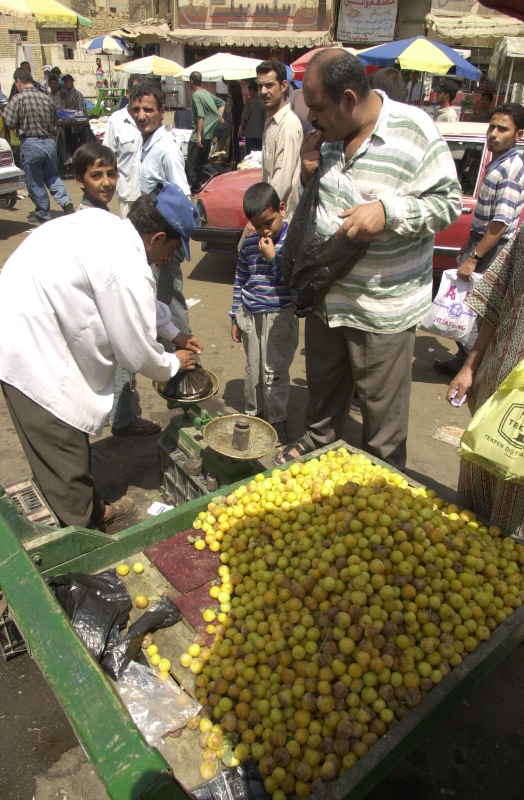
column 227, row 447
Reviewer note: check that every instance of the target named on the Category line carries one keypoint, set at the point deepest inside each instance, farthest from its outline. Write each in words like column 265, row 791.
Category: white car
column 11, row 178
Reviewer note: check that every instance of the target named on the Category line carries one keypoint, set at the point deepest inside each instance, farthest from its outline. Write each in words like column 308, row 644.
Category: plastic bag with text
column 494, row 439
column 157, row 705
column 448, row 315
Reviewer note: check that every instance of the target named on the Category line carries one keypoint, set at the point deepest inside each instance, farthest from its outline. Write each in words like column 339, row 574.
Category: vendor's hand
column 461, row 383
column 310, row 154
column 186, row 359
column 466, row 269
column 188, row 341
column 236, row 334
column 266, row 247
column 199, row 143
column 363, row 222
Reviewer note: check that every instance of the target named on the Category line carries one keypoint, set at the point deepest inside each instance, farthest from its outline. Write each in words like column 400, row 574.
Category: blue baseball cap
column 179, row 211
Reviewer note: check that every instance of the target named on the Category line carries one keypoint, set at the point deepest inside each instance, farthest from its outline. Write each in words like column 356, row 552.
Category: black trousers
column 197, row 158
column 60, row 459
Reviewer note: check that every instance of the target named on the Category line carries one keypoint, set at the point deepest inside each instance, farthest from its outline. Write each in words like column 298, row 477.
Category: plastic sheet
column 161, row 615
column 194, row 384
column 158, row 706
column 310, row 265
column 97, row 605
column 234, row 783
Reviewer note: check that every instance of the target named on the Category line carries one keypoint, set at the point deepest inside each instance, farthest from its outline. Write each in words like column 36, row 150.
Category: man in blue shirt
column 498, row 208
column 161, row 162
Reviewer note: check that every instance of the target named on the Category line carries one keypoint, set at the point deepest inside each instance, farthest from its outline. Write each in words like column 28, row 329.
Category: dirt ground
column 474, row 752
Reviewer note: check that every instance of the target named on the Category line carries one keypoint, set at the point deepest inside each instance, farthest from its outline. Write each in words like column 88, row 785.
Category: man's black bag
column 311, row 265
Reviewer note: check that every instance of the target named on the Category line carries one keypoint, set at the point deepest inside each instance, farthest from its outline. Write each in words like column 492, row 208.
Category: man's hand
column 199, row 142
column 266, row 247
column 187, row 341
column 186, row 359
column 363, row 222
column 461, row 383
column 236, row 334
column 310, row 155
column 466, row 269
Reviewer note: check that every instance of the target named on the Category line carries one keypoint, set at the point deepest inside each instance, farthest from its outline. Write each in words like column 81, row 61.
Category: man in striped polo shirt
column 498, row 209
column 387, row 177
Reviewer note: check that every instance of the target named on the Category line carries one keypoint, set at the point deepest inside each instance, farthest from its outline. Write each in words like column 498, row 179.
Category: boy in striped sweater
column 262, row 316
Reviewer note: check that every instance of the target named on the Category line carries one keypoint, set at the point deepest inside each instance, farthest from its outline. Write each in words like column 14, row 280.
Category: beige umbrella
column 151, row 65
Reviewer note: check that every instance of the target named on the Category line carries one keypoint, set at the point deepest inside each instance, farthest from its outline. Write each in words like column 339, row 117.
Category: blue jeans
column 40, row 164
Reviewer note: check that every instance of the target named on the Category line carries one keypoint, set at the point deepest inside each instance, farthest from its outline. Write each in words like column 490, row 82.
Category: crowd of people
column 376, row 169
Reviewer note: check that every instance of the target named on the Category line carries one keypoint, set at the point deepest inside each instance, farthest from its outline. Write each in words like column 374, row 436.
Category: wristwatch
column 475, row 256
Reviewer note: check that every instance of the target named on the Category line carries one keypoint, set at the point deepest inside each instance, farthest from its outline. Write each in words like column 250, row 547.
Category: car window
column 467, row 156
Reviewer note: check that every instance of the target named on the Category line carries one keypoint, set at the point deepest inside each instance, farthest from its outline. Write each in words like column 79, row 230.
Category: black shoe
column 69, row 208
column 451, row 366
column 355, row 405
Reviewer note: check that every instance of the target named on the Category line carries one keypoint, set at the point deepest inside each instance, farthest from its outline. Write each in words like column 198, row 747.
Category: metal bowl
column 214, row 380
column 218, row 434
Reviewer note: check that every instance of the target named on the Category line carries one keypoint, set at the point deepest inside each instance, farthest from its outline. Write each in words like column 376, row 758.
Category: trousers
column 60, row 459
column 39, row 161
column 169, row 289
column 377, row 365
column 197, row 158
column 270, row 339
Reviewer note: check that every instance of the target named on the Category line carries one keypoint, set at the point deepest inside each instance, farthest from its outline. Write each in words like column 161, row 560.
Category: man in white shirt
column 446, row 93
column 282, row 137
column 161, row 161
column 125, row 140
column 64, row 325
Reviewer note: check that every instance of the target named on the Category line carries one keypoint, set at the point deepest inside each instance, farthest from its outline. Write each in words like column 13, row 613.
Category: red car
column 223, row 220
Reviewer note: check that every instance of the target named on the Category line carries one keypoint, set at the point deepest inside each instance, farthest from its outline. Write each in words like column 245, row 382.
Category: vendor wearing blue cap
column 79, row 316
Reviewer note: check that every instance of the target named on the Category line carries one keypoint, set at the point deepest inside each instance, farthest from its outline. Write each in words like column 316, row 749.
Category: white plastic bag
column 448, row 315
column 157, row 705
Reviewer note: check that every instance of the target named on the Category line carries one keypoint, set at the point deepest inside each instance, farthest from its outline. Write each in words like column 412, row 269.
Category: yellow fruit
column 209, row 615
column 152, row 650
column 200, row 544
column 164, row 665
column 155, row 659
column 141, row 601
column 138, row 567
column 122, row 569
column 193, row 650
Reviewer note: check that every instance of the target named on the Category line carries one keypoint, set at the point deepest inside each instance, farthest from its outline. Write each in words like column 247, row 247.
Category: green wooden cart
column 128, row 767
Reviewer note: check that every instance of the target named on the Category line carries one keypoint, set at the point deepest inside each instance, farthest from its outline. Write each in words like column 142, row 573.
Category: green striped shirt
column 406, row 165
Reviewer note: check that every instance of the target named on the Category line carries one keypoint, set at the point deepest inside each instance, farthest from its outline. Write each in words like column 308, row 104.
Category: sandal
column 288, row 453
column 138, row 427
column 114, row 512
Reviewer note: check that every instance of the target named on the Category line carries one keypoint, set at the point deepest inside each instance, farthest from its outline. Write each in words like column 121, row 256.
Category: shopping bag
column 494, row 439
column 448, row 315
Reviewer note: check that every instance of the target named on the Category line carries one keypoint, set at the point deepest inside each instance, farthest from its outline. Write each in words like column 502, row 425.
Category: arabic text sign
column 367, row 20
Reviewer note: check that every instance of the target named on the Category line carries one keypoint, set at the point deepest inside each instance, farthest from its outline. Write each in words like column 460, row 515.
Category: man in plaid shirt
column 33, row 115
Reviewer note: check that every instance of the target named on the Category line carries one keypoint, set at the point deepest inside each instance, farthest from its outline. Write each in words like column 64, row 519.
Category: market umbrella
column 106, row 46
column 299, row 66
column 224, row 66
column 151, row 65
column 420, row 54
column 44, row 11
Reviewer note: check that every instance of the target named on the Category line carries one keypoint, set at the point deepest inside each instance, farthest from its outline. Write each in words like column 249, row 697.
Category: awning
column 143, row 34
column 472, row 30
column 507, row 61
column 43, row 11
column 247, row 37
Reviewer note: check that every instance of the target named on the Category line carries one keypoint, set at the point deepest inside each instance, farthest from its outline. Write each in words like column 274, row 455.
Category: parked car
column 11, row 178
column 222, row 219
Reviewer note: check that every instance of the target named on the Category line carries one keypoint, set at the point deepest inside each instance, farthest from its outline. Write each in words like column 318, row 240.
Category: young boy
column 94, row 167
column 262, row 317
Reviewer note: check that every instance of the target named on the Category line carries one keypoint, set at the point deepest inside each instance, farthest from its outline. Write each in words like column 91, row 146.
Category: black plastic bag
column 97, row 605
column 234, row 783
column 310, row 265
column 161, row 615
column 194, row 384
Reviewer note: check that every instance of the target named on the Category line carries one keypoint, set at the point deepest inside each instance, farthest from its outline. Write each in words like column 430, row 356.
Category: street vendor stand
column 127, row 765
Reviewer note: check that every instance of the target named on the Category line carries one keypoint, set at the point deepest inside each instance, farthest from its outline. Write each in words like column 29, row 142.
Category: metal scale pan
column 219, row 432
